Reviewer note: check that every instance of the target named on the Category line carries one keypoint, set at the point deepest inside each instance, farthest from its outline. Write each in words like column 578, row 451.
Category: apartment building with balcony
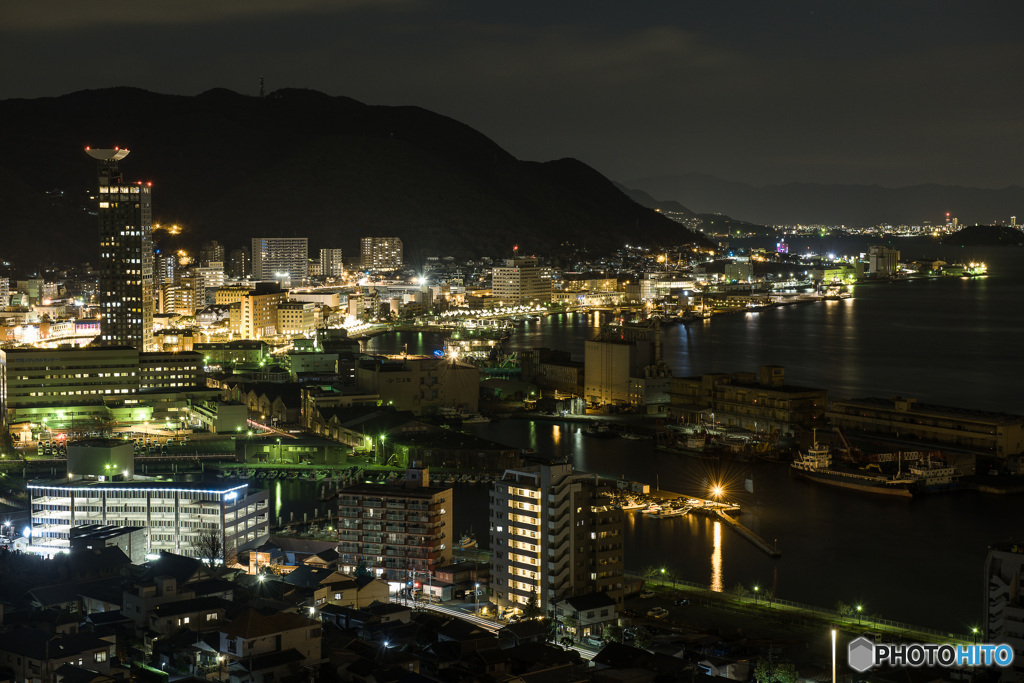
column 396, row 530
column 554, row 536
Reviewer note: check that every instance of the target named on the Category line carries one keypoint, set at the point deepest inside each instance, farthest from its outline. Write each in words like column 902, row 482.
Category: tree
column 612, row 633
column 843, row 609
column 6, row 442
column 740, row 591
column 361, row 571
column 209, row 546
column 767, row 671
column 531, row 610
column 643, row 639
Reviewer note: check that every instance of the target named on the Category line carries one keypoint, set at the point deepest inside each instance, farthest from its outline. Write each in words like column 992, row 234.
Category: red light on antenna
column 947, row 214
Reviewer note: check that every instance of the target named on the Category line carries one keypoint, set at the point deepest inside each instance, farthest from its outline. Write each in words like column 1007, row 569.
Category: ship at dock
column 816, row 465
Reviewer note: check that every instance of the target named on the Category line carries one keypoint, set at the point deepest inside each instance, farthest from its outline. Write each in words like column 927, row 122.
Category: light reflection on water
column 716, row 559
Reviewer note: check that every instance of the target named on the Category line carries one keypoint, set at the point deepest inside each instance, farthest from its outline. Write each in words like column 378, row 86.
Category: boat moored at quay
column 816, row 465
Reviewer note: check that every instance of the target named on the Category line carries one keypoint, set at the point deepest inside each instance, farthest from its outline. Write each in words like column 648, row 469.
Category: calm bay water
column 949, row 342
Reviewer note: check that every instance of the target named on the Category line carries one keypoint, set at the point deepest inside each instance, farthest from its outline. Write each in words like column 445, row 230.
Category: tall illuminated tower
column 126, row 255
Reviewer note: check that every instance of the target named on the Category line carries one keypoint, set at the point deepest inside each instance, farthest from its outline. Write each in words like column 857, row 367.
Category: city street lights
column 974, row 632
column 757, row 589
column 859, row 608
column 476, row 597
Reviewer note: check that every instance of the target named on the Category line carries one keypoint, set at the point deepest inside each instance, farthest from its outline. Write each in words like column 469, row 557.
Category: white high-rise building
column 553, row 535
column 331, row 263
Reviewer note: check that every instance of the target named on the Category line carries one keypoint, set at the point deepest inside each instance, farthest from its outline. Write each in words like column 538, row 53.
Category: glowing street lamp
column 757, row 590
column 859, row 608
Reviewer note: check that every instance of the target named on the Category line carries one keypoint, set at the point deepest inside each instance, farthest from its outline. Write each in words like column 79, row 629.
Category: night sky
column 895, row 93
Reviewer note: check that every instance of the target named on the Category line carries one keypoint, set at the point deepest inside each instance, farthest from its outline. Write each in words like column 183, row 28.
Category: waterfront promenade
column 755, row 604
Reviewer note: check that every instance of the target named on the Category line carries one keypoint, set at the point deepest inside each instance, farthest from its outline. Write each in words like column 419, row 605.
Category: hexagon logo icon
column 861, row 654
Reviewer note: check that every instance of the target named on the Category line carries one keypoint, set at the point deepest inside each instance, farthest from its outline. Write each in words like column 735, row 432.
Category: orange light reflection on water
column 716, row 560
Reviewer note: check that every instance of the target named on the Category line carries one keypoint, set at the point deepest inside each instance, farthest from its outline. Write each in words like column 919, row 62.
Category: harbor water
column 945, row 341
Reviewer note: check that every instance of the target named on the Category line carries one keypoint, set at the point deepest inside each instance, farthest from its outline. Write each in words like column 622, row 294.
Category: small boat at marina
column 599, row 430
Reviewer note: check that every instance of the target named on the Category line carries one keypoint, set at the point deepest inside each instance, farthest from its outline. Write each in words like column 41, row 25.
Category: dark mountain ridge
column 300, row 163
column 852, row 205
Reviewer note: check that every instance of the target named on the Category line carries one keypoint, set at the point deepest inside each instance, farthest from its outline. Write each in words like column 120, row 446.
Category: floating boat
column 816, row 465
column 599, row 430
column 466, row 542
column 931, row 476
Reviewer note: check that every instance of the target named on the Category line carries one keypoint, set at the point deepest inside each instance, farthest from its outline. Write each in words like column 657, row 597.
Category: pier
column 743, row 531
column 681, row 505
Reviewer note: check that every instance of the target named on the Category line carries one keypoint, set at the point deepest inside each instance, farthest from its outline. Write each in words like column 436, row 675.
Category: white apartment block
column 331, row 263
column 553, row 536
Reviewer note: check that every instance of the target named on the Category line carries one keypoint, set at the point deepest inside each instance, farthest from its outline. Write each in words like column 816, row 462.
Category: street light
column 974, row 632
column 756, row 590
column 476, row 597
column 859, row 608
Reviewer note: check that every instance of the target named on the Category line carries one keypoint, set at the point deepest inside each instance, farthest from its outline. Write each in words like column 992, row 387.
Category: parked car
column 647, row 594
column 682, row 601
column 657, row 612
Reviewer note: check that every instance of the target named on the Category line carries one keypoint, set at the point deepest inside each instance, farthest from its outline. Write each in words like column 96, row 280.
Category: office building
column 520, row 281
column 101, row 488
column 381, row 253
column 79, row 389
column 553, row 535
column 296, row 318
column 125, row 214
column 397, row 530
column 331, row 263
column 283, row 259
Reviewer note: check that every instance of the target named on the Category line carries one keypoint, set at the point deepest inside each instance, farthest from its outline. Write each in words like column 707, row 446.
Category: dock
column 747, row 533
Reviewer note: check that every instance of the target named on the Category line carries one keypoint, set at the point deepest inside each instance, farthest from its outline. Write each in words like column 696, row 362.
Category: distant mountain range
column 852, row 205
column 300, row 163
